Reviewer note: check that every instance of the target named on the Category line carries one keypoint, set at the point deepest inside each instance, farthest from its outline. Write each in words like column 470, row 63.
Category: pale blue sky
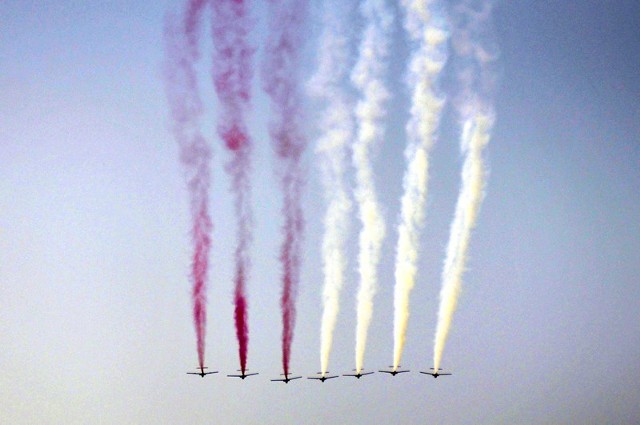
column 95, row 323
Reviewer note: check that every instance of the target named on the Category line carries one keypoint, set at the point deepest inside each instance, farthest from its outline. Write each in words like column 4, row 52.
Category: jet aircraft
column 286, row 378
column 435, row 373
column 393, row 372
column 357, row 375
column 243, row 375
column 202, row 373
column 322, row 377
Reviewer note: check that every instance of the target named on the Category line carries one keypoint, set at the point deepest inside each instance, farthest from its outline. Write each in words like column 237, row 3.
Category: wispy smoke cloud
column 476, row 55
column 368, row 77
column 232, row 72
column 280, row 81
column 337, row 125
column 182, row 37
column 426, row 27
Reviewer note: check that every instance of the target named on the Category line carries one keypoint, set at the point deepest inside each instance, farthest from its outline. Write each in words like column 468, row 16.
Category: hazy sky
column 95, row 315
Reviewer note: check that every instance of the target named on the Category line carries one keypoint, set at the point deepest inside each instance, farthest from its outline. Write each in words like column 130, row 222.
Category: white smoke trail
column 368, row 77
column 337, row 123
column 425, row 26
column 476, row 54
column 475, row 137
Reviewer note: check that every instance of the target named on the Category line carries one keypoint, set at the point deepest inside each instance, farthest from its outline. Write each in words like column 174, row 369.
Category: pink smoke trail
column 280, row 81
column 181, row 44
column 232, row 72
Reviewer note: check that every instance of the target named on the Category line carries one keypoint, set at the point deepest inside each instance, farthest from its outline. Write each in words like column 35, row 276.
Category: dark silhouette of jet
column 393, row 372
column 286, row 378
column 322, row 377
column 202, row 373
column 435, row 373
column 357, row 375
column 243, row 375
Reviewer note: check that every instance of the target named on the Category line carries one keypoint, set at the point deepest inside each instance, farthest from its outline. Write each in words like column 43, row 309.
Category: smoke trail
column 280, row 81
column 232, row 72
column 336, row 121
column 181, row 44
column 368, row 77
column 476, row 53
column 425, row 26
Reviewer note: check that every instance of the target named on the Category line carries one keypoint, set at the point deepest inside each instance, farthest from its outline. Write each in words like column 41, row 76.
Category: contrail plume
column 280, row 82
column 476, row 53
column 232, row 72
column 368, row 77
column 475, row 136
column 425, row 25
column 181, row 46
column 337, row 123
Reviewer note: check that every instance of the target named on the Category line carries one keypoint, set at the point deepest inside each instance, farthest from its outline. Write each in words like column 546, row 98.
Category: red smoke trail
column 181, row 43
column 280, row 81
column 232, row 73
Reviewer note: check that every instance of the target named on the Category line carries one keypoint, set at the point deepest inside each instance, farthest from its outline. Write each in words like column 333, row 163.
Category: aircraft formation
column 350, row 103
column 322, row 377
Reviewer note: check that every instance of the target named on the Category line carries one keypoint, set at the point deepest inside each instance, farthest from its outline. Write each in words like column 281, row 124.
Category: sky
column 95, row 308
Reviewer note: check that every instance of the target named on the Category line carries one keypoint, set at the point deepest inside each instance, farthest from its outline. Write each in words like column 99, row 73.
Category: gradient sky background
column 95, row 315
